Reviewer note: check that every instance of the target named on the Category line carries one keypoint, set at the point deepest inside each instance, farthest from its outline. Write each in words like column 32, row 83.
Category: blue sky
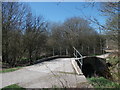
column 58, row 12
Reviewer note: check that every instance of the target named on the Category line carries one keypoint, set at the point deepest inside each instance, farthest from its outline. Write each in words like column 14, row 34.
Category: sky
column 60, row 11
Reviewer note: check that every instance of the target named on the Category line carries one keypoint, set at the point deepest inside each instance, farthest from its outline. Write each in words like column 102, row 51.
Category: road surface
column 48, row 74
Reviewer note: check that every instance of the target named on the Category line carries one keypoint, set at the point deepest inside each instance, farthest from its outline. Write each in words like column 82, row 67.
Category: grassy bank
column 114, row 69
column 13, row 87
column 10, row 69
column 101, row 82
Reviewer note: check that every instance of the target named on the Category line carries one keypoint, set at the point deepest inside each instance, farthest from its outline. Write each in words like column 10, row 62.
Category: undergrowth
column 101, row 82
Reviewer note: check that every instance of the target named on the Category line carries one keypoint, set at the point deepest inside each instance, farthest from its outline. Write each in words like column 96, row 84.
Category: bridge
column 55, row 73
column 60, row 73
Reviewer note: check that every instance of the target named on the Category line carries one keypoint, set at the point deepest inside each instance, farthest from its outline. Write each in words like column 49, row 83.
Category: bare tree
column 12, row 18
column 75, row 32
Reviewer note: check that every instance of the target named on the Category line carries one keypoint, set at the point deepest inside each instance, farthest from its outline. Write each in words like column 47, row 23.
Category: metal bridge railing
column 78, row 56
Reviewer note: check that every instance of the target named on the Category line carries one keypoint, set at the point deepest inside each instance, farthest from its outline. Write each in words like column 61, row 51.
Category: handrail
column 76, row 52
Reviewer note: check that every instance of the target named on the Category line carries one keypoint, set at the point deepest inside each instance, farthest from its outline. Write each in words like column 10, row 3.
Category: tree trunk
column 30, row 57
column 53, row 52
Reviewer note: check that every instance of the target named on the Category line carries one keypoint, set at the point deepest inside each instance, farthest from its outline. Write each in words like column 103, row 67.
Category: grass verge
column 13, row 87
column 101, row 82
column 10, row 70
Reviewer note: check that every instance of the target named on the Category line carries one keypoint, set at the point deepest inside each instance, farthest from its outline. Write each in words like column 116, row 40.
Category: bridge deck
column 54, row 73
